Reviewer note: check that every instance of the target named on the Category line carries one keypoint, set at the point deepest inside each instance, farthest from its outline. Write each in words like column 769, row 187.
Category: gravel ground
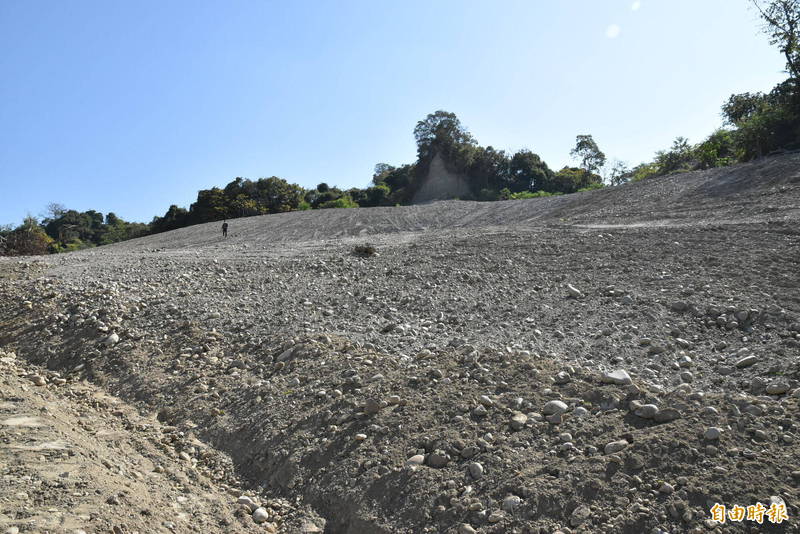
column 612, row 361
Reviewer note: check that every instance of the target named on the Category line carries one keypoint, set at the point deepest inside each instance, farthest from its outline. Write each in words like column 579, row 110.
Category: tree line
column 755, row 125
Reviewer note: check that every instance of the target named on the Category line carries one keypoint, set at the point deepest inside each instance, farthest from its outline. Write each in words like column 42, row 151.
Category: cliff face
column 442, row 184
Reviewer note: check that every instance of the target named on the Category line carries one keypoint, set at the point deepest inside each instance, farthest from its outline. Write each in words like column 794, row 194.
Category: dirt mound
column 477, row 371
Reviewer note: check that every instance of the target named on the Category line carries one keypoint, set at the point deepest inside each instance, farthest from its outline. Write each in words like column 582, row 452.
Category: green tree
column 717, row 150
column 527, row 172
column 571, row 179
column 277, row 195
column 488, row 170
column 678, row 157
column 175, row 217
column 619, row 173
column 440, row 131
column 591, row 158
column 28, row 239
column 782, row 25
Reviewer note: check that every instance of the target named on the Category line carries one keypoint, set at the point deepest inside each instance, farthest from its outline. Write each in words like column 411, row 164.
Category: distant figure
column 224, row 229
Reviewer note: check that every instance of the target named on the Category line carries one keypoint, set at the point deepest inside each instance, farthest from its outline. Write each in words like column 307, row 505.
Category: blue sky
column 132, row 106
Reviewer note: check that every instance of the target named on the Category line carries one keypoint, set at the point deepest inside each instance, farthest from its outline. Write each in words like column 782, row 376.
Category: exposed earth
column 614, row 361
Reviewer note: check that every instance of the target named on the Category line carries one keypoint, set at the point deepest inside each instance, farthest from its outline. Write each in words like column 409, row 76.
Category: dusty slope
column 761, row 191
column 328, row 377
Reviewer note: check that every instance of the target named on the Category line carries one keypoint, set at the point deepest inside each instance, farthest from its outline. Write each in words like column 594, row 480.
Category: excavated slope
column 612, row 361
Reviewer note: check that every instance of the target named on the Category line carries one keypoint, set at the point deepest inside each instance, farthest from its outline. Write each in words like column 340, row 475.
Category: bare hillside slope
column 614, row 361
column 761, row 191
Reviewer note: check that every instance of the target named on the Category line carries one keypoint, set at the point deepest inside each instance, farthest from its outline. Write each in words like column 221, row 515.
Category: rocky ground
column 614, row 361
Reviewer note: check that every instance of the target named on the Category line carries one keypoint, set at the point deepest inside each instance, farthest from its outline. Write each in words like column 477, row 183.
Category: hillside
column 612, row 361
column 754, row 192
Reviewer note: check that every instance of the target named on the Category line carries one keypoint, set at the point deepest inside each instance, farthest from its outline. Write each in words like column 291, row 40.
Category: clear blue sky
column 130, row 106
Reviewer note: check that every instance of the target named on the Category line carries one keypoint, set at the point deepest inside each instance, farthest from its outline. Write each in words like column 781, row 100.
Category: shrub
column 530, row 194
column 590, row 187
column 365, row 250
column 341, row 202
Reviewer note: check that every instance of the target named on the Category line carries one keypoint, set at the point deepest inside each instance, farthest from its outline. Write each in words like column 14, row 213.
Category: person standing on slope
column 224, row 228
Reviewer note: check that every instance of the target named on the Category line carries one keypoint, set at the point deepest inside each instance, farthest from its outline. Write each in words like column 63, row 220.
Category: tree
column 489, row 169
column 571, row 179
column 55, row 210
column 440, row 131
column 175, row 217
column 276, row 195
column 678, row 157
column 717, row 150
column 782, row 25
column 527, row 172
column 619, row 173
column 28, row 239
column 381, row 170
column 586, row 150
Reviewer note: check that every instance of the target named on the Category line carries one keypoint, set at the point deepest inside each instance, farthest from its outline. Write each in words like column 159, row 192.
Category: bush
column 644, row 171
column 530, row 194
column 27, row 241
column 365, row 250
column 341, row 202
column 590, row 187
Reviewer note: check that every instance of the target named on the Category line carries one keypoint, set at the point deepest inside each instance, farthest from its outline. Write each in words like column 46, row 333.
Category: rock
column 480, row 411
column 619, row 377
column 712, row 433
column 476, row 470
column 464, row 528
column 679, row 306
column 417, row 459
column 518, row 421
column 496, row 517
column 372, row 406
column 260, row 515
column 248, row 502
column 647, row 411
column 666, row 415
column 580, row 515
column 113, row 339
column 395, row 400
column 469, row 452
column 747, row 361
column 777, row 388
column 38, row 380
column 360, row 437
column 574, row 292
column 511, row 503
column 615, row 446
column 776, row 500
column 554, row 407
column 285, row 355
column 562, row 377
column 634, row 461
column 666, row 488
column 438, row 459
